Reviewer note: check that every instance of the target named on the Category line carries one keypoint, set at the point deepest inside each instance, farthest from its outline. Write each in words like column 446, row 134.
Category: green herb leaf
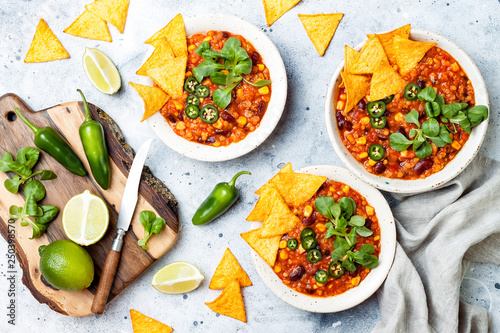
column 206, row 68
column 15, row 212
column 364, row 231
column 351, row 237
column 440, row 100
column 28, row 156
column 158, row 225
column 431, row 127
column 49, row 213
column 428, row 94
column 323, row 204
column 450, row 110
column 348, row 206
column 12, row 185
column 461, row 119
column 214, row 55
column 412, row 117
column 349, row 265
column 444, row 134
column 260, row 83
column 357, row 221
column 34, row 189
column 418, row 140
column 151, row 225
column 146, row 217
column 330, row 230
column 424, row 150
column 47, row 175
column 437, row 141
column 205, row 46
column 243, row 67
column 341, row 242
column 222, row 97
column 399, row 142
column 218, row 78
column 372, row 262
column 338, row 253
column 477, row 114
column 367, row 248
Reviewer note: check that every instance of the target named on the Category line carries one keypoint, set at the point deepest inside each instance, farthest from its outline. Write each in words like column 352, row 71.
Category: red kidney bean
column 382, row 137
column 309, row 220
column 379, row 167
column 255, row 58
column 421, row 166
column 210, row 139
column 327, row 253
column 171, row 118
column 354, row 273
column 224, row 133
column 405, row 110
column 180, row 116
column 225, row 34
column 368, row 223
column 228, row 117
column 261, row 108
column 200, row 140
column 421, row 83
column 297, row 273
column 362, row 104
column 401, row 130
column 340, row 120
column 348, row 125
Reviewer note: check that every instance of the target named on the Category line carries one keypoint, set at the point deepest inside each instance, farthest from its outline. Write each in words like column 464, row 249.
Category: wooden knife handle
column 106, row 281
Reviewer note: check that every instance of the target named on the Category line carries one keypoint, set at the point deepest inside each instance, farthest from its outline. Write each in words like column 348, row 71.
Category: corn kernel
column 264, row 90
column 189, row 74
column 361, row 141
column 365, row 120
column 345, row 189
column 284, row 255
column 307, row 211
column 376, row 238
column 277, row 269
column 363, row 155
column 207, row 39
column 372, row 162
column 180, row 125
column 456, row 145
column 404, row 153
column 319, row 284
column 455, row 67
column 242, row 121
column 282, row 244
column 178, row 105
column 343, row 97
column 340, row 105
column 301, row 249
column 370, row 210
column 399, row 117
column 355, row 281
column 218, row 124
column 217, row 144
column 191, row 47
column 321, row 227
column 260, row 67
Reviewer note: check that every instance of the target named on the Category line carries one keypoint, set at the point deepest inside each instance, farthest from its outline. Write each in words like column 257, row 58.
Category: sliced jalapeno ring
column 376, row 109
column 202, row 91
column 378, row 123
column 192, row 100
column 336, row 270
column 209, row 114
column 192, row 111
column 309, row 242
column 321, row 276
column 411, row 91
column 388, row 99
column 376, row 152
column 307, row 232
column 190, row 84
column 313, row 256
column 292, row 243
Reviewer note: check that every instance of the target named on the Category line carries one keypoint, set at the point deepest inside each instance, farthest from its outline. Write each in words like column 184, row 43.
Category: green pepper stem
column 233, row 181
column 88, row 116
column 26, row 121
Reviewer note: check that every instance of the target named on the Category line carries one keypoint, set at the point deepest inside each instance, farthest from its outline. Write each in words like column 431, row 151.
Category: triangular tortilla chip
column 387, row 41
column 154, row 98
column 157, row 59
column 280, row 221
column 175, row 33
column 170, row 77
column 350, row 56
column 229, row 268
column 370, row 56
column 385, row 82
column 45, row 45
column 230, row 302
column 356, row 87
column 90, row 26
column 145, row 324
column 275, row 8
column 268, row 195
column 409, row 53
column 320, row 28
column 297, row 188
column 112, row 11
column 286, row 169
column 266, row 248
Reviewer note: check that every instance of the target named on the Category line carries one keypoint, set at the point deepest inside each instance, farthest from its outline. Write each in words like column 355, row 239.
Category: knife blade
column 127, row 208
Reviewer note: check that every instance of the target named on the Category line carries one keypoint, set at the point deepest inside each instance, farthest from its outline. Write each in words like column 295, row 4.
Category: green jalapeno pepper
column 223, row 196
column 411, row 91
column 376, row 152
column 190, row 84
column 376, row 109
column 94, row 145
column 336, row 270
column 313, row 256
column 51, row 142
column 192, row 111
column 307, row 232
column 378, row 123
column 309, row 242
column 321, row 276
column 388, row 99
column 292, row 243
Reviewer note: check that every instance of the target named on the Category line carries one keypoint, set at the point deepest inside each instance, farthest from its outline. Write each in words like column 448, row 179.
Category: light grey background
column 300, row 138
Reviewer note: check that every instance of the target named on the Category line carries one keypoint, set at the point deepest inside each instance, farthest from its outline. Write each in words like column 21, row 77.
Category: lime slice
column 177, row 278
column 101, row 71
column 85, row 218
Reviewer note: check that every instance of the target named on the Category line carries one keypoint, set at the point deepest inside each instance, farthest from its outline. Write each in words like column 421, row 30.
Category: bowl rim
column 455, row 166
column 272, row 59
column 371, row 283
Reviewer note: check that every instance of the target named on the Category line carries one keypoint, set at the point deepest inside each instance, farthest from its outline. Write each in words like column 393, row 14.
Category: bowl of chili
column 245, row 128
column 402, row 171
column 323, row 285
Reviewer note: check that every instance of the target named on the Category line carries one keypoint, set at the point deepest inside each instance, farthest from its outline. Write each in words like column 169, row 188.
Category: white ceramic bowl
column 454, row 167
column 372, row 281
column 272, row 59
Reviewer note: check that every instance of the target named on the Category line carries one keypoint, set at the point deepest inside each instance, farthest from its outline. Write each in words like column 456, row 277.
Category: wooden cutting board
column 153, row 195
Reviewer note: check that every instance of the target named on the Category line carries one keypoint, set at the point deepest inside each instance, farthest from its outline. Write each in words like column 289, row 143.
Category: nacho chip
column 112, row 11
column 370, row 56
column 170, row 77
column 409, row 53
column 45, row 45
column 320, row 28
column 286, row 169
column 154, row 98
column 90, row 26
column 356, row 87
column 175, row 33
column 385, row 82
column 274, row 9
column 279, row 221
column 387, row 41
column 266, row 248
column 351, row 56
column 229, row 269
column 145, row 324
column 269, row 194
column 157, row 59
column 297, row 188
column 230, row 302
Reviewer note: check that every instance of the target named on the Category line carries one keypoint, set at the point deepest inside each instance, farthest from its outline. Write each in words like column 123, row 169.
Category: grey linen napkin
column 439, row 232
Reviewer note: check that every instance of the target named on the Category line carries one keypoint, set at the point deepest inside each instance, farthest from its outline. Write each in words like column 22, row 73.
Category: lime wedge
column 177, row 278
column 101, row 71
column 85, row 218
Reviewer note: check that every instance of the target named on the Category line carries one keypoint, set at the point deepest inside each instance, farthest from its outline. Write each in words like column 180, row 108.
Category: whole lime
column 66, row 265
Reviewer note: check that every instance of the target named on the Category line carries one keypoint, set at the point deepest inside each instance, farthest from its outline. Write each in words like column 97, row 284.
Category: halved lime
column 101, row 71
column 177, row 278
column 85, row 218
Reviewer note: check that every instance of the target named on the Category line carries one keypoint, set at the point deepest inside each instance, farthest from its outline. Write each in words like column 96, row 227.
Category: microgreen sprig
column 152, row 225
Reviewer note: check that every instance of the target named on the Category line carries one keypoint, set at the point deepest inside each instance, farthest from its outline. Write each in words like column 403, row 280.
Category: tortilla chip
column 170, row 77
column 145, row 324
column 269, row 194
column 370, row 56
column 351, row 56
column 385, row 82
column 154, row 98
column 387, row 41
column 274, row 9
column 175, row 33
column 90, row 26
column 112, row 11
column 229, row 269
column 157, row 59
column 286, row 169
column 320, row 28
column 409, row 53
column 230, row 302
column 297, row 188
column 279, row 221
column 45, row 45
column 356, row 87
column 266, row 248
